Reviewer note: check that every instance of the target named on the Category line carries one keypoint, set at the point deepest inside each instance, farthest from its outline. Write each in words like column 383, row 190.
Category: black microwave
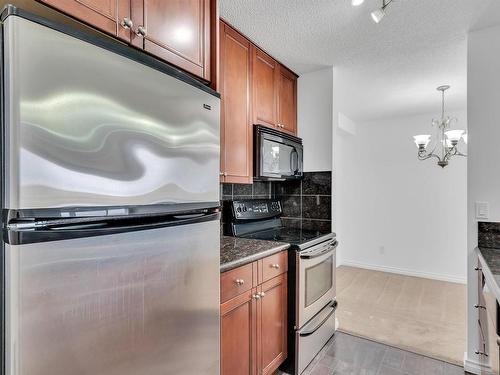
column 277, row 155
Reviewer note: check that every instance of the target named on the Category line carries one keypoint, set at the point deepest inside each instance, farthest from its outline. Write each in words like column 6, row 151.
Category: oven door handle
column 320, row 252
column 309, row 332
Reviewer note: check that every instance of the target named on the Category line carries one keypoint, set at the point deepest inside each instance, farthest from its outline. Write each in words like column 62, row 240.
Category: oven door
column 315, row 281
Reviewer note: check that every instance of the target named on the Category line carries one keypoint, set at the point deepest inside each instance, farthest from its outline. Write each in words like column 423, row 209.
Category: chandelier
column 447, row 140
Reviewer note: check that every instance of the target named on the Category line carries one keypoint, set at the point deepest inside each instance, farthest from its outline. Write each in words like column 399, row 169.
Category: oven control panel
column 256, row 209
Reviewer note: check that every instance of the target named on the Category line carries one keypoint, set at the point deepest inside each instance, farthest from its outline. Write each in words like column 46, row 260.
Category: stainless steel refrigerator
column 110, row 195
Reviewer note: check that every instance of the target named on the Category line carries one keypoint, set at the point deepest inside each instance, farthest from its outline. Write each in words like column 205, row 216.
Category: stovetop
column 300, row 238
column 261, row 220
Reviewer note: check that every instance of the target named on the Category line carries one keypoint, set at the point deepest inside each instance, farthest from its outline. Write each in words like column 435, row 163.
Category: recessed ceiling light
column 357, row 2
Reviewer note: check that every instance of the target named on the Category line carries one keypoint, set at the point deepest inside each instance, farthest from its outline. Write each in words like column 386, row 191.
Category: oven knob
column 238, row 209
column 244, row 209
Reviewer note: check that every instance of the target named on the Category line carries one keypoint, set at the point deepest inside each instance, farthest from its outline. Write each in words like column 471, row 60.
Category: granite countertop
column 490, row 261
column 235, row 252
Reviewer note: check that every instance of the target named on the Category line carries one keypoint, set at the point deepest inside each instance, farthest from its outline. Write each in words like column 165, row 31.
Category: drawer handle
column 477, row 269
column 481, row 353
column 277, row 266
column 239, row 282
column 479, row 307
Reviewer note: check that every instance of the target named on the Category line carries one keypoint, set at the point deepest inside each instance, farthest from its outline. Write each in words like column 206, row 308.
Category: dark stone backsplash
column 488, row 234
column 307, row 203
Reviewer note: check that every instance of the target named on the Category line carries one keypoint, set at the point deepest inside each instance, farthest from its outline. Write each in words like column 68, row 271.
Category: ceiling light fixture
column 379, row 13
column 357, row 2
column 447, row 140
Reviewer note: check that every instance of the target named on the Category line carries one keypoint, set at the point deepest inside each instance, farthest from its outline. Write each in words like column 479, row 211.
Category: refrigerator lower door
column 144, row 302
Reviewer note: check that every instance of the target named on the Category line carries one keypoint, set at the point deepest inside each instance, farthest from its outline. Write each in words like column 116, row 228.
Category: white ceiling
column 383, row 70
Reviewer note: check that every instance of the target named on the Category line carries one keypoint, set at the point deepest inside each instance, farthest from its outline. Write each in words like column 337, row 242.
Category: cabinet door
column 238, row 333
column 106, row 15
column 264, row 88
column 235, row 89
column 177, row 31
column 287, row 100
column 272, row 324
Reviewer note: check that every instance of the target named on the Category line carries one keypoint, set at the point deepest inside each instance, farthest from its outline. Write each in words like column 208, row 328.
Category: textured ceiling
column 383, row 70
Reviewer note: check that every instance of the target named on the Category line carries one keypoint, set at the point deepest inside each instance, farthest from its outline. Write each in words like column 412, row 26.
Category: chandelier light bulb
column 357, row 2
column 454, row 136
column 378, row 14
column 422, row 140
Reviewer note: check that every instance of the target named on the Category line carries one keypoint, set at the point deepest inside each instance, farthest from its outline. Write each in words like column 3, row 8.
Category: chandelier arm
column 425, row 155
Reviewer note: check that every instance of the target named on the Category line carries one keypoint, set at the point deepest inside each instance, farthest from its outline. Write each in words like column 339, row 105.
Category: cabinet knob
column 479, row 306
column 262, row 294
column 221, row 174
column 277, row 266
column 477, row 269
column 127, row 23
column 256, row 296
column 141, row 31
column 239, row 282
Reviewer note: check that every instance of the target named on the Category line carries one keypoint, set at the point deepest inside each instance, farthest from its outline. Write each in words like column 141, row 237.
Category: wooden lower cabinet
column 254, row 328
column 238, row 338
column 488, row 316
column 273, row 323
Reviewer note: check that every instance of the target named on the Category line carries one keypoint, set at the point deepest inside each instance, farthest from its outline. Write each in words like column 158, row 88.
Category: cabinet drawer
column 235, row 282
column 273, row 266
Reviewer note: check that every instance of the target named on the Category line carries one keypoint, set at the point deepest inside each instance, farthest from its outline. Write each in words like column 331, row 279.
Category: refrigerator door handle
column 24, row 232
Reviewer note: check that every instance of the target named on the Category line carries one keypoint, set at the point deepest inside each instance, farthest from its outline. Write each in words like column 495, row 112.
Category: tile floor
column 346, row 354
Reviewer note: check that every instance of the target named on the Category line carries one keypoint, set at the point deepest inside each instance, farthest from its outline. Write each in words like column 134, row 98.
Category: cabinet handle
column 481, row 353
column 277, row 266
column 262, row 294
column 127, row 23
column 221, row 174
column 141, row 31
column 478, row 269
column 479, row 306
column 256, row 296
column 239, row 282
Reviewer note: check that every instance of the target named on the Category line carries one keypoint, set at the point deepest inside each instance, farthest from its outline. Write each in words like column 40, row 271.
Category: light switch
column 482, row 210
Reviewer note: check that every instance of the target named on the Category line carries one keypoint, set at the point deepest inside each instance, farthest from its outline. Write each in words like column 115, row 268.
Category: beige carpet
column 416, row 314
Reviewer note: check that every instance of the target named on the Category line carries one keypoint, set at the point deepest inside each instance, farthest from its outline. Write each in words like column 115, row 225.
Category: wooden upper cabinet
column 264, row 88
column 272, row 322
column 238, row 336
column 235, row 89
column 106, row 15
column 287, row 100
column 177, row 31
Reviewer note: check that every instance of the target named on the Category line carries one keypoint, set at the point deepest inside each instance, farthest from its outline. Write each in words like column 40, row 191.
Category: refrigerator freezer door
column 125, row 304
column 85, row 126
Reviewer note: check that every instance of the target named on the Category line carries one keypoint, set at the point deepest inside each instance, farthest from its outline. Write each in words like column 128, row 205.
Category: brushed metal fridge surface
column 127, row 304
column 87, row 127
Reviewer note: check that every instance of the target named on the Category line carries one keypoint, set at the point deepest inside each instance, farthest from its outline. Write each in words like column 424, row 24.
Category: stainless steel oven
column 278, row 155
column 315, row 300
column 315, row 280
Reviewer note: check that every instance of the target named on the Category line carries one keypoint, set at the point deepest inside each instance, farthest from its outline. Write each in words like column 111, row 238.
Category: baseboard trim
column 403, row 271
column 475, row 367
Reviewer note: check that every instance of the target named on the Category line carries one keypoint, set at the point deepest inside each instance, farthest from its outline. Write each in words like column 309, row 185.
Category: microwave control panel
column 256, row 209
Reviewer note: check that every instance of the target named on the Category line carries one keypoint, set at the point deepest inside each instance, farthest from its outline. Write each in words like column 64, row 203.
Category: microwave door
column 277, row 159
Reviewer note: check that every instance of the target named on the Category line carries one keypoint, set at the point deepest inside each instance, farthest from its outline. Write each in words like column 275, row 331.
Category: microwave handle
column 294, row 166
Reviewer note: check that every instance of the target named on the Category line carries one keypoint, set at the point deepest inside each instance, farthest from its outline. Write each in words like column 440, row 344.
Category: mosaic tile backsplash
column 307, row 203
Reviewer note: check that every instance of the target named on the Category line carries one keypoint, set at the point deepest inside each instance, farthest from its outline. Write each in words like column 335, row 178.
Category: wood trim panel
column 235, row 81
column 264, row 88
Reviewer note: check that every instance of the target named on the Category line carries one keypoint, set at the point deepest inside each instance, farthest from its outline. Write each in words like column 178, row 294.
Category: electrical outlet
column 482, row 210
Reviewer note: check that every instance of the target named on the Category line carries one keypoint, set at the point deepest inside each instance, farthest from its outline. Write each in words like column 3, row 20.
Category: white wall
column 484, row 152
column 394, row 212
column 315, row 118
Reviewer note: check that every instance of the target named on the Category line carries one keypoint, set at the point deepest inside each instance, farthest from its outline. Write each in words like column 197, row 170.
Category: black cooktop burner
column 293, row 236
